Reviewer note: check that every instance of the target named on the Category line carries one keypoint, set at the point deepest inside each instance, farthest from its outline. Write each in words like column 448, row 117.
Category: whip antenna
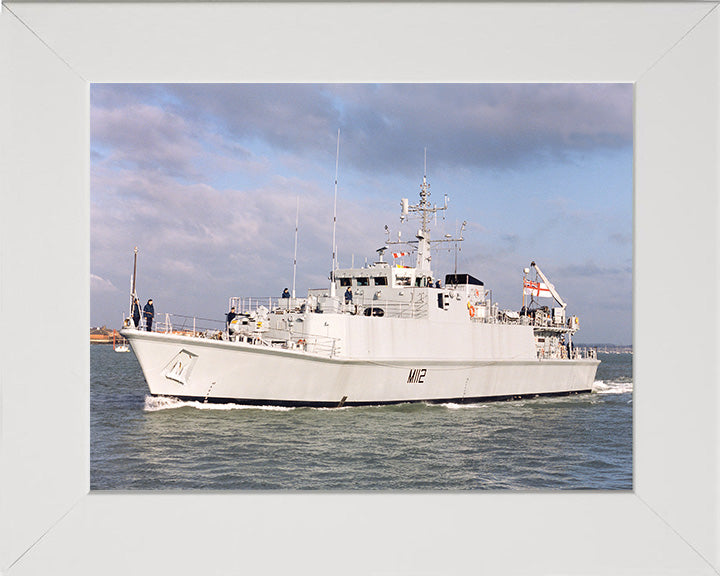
column 297, row 215
column 334, row 246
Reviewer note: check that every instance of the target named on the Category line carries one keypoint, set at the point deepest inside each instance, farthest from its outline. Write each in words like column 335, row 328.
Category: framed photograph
column 51, row 53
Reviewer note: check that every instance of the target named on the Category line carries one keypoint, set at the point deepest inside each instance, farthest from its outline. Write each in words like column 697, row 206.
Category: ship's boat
column 378, row 334
column 120, row 345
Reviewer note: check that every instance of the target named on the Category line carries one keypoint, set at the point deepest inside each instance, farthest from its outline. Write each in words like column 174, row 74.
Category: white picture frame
column 51, row 523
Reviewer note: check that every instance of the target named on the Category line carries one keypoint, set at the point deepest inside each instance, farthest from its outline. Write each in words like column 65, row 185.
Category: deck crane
column 549, row 285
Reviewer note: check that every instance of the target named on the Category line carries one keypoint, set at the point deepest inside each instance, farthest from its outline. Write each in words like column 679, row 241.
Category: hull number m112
column 417, row 376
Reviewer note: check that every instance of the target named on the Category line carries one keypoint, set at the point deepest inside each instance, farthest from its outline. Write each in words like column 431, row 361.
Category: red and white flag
column 399, row 254
column 537, row 289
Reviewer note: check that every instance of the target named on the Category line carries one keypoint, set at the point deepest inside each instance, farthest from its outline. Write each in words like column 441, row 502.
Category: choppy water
column 141, row 442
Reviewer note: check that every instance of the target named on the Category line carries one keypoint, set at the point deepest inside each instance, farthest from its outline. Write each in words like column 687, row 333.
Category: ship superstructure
column 380, row 333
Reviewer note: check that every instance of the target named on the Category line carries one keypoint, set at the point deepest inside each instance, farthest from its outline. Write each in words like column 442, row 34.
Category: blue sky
column 204, row 179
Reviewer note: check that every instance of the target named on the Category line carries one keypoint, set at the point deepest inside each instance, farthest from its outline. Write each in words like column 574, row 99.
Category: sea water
column 147, row 443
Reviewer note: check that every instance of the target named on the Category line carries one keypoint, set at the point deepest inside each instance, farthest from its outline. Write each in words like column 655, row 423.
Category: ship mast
column 133, row 295
column 425, row 210
column 423, row 235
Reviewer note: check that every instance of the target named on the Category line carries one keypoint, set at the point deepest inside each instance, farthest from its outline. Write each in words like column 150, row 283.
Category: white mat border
column 50, row 521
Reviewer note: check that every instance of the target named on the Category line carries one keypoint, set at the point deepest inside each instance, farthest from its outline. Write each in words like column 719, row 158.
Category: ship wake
column 157, row 403
column 610, row 387
column 458, row 406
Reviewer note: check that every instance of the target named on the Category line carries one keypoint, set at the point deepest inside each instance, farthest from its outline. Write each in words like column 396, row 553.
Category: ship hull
column 194, row 368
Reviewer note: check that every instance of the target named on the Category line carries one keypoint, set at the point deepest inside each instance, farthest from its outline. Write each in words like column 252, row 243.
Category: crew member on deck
column 437, row 284
column 286, row 293
column 229, row 317
column 348, row 295
column 148, row 314
column 136, row 313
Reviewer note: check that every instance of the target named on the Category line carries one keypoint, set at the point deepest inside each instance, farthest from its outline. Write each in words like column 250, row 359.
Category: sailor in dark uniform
column 136, row 313
column 230, row 316
column 348, row 295
column 148, row 314
column 286, row 293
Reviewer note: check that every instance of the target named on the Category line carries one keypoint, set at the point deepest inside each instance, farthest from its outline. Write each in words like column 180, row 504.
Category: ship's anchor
column 208, row 393
column 465, row 390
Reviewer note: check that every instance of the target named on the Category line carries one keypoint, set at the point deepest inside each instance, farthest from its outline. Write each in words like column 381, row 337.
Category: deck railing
column 179, row 324
column 392, row 309
column 247, row 304
column 216, row 329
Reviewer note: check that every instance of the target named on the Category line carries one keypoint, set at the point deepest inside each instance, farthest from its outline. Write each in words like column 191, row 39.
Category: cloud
column 492, row 126
column 145, row 137
column 622, row 238
column 286, row 116
column 385, row 127
column 99, row 285
column 509, row 242
column 592, row 270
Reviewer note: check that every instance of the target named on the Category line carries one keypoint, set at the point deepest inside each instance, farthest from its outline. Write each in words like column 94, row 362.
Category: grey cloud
column 295, row 117
column 622, row 238
column 114, row 95
column 496, row 126
column 145, row 137
column 385, row 127
column 591, row 270
column 509, row 243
